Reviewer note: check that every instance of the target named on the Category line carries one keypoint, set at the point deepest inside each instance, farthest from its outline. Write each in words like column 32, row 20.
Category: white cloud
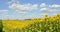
column 24, row 7
column 43, row 9
column 42, row 5
column 3, row 10
column 10, row 17
column 52, row 10
column 19, row 9
column 49, row 10
column 20, row 12
column 13, row 1
column 54, row 6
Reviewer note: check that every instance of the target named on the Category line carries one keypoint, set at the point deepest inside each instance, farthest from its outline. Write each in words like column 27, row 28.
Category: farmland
column 1, row 25
column 46, row 24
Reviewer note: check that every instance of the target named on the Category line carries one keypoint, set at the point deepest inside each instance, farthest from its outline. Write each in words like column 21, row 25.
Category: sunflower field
column 46, row 24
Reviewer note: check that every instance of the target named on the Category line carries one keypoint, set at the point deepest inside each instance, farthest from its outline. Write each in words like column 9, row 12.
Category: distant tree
column 27, row 19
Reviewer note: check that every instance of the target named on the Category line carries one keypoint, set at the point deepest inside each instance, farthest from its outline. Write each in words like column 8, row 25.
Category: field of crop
column 1, row 25
column 46, row 24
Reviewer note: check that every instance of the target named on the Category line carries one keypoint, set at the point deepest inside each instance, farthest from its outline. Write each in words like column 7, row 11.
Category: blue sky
column 25, row 9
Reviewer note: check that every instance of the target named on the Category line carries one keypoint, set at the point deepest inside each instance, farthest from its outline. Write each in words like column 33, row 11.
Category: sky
column 26, row 9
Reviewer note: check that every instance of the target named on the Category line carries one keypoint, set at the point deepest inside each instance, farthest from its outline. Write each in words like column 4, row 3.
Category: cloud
column 10, row 17
column 3, row 10
column 24, row 7
column 52, row 10
column 54, row 6
column 42, row 5
column 48, row 8
column 13, row 1
column 43, row 9
column 20, row 10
